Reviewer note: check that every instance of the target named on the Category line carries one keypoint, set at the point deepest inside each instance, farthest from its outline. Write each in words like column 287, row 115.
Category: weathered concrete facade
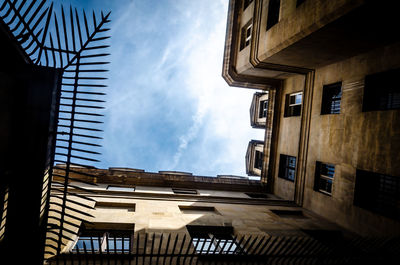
column 157, row 211
column 311, row 46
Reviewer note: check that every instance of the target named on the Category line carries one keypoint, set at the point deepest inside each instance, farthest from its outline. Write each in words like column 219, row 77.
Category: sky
column 168, row 107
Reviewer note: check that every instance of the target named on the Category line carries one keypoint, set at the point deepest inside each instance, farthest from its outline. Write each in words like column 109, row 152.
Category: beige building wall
column 155, row 215
column 288, row 137
column 353, row 140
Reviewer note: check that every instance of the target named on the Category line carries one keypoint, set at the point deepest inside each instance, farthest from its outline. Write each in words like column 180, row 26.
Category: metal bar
column 84, row 85
column 75, row 156
column 86, row 78
column 180, row 250
column 82, row 113
column 101, row 38
column 81, row 128
column 145, row 248
column 65, row 31
column 52, row 51
column 272, row 242
column 173, row 248
column 79, row 150
column 95, row 55
column 84, row 99
column 87, row 71
column 16, row 13
column 252, row 243
column 137, row 248
column 167, row 247
column 242, row 250
column 71, row 16
column 79, row 28
column 86, row 25
column 187, row 250
column 257, row 246
column 159, row 248
column 90, row 63
column 58, row 39
column 82, row 106
column 152, row 247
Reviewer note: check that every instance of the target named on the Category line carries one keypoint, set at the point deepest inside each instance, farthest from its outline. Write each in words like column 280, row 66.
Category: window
column 105, row 240
column 246, row 3
column 246, row 35
column 289, row 213
column 331, row 98
column 120, row 188
column 293, row 104
column 256, row 195
column 382, row 91
column 263, row 108
column 116, row 205
column 324, row 174
column 378, row 193
column 97, row 241
column 213, row 239
column 197, row 209
column 287, row 167
column 184, row 191
column 273, row 13
column 299, row 2
column 258, row 159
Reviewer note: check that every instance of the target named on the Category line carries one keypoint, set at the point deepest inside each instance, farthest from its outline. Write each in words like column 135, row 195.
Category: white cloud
column 183, row 72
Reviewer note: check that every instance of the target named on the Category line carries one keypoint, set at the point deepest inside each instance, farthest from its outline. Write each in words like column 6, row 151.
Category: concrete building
column 171, row 218
column 332, row 125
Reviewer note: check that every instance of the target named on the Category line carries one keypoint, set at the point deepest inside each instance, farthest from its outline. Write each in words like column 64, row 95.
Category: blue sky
column 168, row 107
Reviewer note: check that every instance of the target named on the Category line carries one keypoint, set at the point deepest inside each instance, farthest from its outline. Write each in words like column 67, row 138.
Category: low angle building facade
column 331, row 134
column 326, row 175
column 129, row 216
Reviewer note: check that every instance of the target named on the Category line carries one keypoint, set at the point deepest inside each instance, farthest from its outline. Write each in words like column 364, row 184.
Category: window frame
column 220, row 240
column 291, row 108
column 263, row 108
column 245, row 39
column 381, row 91
column 377, row 193
column 325, row 177
column 284, row 167
column 328, row 98
column 121, row 188
column 102, row 236
column 273, row 18
column 185, row 191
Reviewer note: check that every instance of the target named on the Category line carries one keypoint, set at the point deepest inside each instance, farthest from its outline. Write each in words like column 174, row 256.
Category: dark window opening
column 245, row 35
column 116, row 205
column 382, row 91
column 257, row 195
column 324, row 174
column 287, row 167
column 331, row 98
column 263, row 109
column 246, row 3
column 258, row 160
column 196, row 209
column 184, row 191
column 378, row 193
column 213, row 239
column 289, row 213
column 273, row 13
column 299, row 2
column 293, row 104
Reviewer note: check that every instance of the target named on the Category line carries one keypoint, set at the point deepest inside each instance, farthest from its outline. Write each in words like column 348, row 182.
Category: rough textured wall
column 288, row 139
column 353, row 139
